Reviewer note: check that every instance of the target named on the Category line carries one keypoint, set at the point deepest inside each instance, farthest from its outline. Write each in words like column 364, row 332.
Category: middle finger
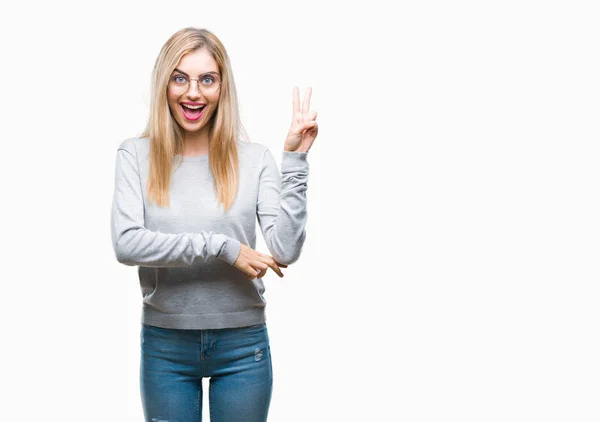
column 275, row 268
column 306, row 102
column 268, row 260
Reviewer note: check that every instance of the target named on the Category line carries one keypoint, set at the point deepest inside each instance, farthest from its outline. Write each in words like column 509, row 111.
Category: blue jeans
column 174, row 361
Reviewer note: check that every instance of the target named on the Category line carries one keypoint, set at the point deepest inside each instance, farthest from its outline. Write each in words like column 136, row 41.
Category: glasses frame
column 197, row 83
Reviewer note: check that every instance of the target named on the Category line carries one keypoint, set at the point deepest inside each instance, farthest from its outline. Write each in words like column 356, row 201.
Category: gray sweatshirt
column 185, row 252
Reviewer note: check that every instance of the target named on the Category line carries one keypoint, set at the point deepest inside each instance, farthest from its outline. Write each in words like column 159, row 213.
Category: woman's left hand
column 304, row 128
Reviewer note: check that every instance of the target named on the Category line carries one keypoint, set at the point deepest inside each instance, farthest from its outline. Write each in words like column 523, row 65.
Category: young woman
column 188, row 192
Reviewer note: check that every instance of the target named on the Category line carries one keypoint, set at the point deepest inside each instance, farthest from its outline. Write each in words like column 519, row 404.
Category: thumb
column 309, row 124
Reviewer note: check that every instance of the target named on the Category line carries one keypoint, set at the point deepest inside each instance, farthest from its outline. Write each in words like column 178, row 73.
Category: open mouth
column 192, row 112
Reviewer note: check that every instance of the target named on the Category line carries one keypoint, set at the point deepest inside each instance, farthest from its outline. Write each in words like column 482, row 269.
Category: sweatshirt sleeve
column 281, row 207
column 133, row 244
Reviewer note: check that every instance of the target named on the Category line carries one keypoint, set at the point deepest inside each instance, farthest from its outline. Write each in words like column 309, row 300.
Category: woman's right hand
column 256, row 264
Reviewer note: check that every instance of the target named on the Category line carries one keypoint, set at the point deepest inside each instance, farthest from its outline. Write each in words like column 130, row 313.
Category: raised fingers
column 305, row 102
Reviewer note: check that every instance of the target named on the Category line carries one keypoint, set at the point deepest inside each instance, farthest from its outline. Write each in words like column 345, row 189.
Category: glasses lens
column 209, row 84
column 178, row 85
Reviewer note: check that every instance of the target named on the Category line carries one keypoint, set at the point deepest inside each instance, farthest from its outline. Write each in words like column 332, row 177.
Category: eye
column 210, row 78
column 179, row 79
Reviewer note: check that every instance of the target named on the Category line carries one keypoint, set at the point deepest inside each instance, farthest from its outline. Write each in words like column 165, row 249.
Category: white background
column 450, row 271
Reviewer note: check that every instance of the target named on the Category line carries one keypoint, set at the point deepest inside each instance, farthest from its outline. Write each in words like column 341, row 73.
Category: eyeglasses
column 179, row 84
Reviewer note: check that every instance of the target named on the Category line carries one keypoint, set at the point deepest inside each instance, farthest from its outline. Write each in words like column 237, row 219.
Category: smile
column 192, row 113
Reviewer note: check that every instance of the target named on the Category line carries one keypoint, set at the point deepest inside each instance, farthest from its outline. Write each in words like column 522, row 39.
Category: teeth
column 192, row 107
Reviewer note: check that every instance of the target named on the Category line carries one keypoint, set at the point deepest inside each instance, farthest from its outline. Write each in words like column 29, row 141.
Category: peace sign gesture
column 304, row 129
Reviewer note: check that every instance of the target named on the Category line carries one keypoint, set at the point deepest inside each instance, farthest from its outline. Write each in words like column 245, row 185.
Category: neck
column 196, row 142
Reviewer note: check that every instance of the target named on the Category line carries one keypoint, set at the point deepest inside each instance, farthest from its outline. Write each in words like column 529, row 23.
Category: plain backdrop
column 450, row 270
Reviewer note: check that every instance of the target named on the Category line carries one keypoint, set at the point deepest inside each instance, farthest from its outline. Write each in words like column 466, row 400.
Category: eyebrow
column 207, row 73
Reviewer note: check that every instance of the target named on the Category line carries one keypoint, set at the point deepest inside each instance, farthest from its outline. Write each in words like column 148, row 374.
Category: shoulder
column 252, row 150
column 138, row 147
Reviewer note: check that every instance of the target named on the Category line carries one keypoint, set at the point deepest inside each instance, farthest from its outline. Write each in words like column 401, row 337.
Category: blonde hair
column 166, row 135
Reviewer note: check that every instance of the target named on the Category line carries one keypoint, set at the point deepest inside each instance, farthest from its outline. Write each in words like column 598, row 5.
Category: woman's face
column 194, row 65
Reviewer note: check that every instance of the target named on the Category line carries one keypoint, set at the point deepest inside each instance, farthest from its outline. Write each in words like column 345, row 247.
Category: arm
column 135, row 245
column 281, row 207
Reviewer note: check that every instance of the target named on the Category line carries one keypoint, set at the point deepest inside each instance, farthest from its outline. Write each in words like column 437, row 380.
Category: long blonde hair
column 166, row 136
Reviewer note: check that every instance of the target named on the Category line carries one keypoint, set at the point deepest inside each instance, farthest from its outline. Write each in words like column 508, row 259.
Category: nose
column 194, row 90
